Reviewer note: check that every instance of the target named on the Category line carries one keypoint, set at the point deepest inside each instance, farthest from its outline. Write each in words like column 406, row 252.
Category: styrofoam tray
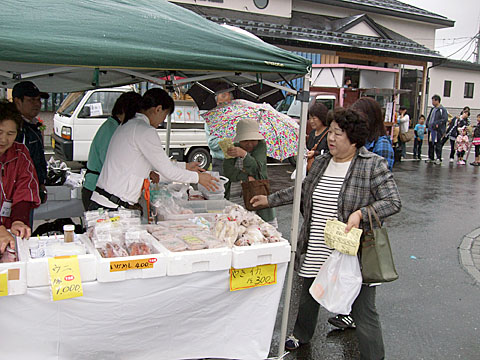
column 260, row 254
column 188, row 262
column 37, row 269
column 18, row 286
column 159, row 265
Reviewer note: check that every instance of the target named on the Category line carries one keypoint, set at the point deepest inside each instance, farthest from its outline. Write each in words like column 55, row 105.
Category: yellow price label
column 132, row 264
column 3, row 285
column 253, row 277
column 65, row 279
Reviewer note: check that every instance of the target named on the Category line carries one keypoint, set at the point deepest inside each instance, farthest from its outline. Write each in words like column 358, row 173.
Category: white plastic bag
column 338, row 283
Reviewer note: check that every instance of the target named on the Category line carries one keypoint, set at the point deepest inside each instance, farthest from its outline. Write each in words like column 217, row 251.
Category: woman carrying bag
column 248, row 162
column 340, row 184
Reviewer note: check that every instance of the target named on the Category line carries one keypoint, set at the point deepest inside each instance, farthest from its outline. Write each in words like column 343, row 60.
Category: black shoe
column 342, row 321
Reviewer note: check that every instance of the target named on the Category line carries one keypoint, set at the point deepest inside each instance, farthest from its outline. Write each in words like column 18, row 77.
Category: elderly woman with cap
column 248, row 162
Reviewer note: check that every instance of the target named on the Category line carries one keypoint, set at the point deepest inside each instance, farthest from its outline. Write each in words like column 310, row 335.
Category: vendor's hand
column 43, row 193
column 154, row 177
column 251, row 178
column 236, row 151
column 353, row 221
column 193, row 166
column 310, row 154
column 20, row 229
column 259, row 200
column 6, row 239
column 208, row 181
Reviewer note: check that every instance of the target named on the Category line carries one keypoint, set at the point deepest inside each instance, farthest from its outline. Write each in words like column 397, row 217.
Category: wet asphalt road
column 432, row 311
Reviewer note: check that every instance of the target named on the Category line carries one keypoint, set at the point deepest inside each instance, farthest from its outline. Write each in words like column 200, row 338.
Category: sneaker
column 429, row 161
column 475, row 163
column 462, row 162
column 452, row 160
column 342, row 321
column 292, row 343
column 459, row 162
column 438, row 162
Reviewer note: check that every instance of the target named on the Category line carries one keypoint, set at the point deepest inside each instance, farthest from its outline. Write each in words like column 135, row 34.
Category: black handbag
column 376, row 258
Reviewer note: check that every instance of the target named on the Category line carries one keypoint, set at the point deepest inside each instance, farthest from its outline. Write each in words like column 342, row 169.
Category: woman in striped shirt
column 341, row 185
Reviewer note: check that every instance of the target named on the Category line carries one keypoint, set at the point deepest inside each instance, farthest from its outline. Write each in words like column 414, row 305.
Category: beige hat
column 247, row 129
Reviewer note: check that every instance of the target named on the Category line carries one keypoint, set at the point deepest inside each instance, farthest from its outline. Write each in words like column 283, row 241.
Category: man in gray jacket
column 436, row 125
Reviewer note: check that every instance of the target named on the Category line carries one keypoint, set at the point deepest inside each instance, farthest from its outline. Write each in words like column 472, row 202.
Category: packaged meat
column 194, row 242
column 9, row 255
column 173, row 244
column 139, row 248
column 111, row 249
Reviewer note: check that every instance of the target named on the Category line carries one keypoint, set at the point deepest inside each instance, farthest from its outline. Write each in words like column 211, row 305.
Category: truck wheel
column 200, row 155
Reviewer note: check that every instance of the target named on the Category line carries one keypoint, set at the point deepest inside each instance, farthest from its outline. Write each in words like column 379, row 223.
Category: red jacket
column 19, row 184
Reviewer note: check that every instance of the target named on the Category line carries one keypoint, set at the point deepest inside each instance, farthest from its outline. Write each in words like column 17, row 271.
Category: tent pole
column 296, row 210
column 169, row 117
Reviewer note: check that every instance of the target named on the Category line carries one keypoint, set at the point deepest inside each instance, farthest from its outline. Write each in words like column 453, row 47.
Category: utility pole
column 477, row 54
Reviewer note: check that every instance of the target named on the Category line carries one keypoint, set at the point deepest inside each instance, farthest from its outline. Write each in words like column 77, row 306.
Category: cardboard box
column 260, row 254
column 37, row 269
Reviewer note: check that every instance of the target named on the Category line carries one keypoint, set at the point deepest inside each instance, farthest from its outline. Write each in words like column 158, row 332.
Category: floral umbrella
column 279, row 130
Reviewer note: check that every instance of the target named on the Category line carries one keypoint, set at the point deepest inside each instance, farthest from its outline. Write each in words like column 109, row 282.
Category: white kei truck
column 81, row 114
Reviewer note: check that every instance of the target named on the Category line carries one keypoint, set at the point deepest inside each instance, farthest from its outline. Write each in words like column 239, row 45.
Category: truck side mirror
column 85, row 112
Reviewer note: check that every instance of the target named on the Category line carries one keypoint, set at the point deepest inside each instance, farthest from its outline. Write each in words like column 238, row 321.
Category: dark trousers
column 452, row 149
column 435, row 149
column 364, row 312
column 217, row 165
column 417, row 147
column 86, row 195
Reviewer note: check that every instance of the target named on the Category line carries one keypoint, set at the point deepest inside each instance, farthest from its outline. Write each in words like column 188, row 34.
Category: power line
column 463, row 47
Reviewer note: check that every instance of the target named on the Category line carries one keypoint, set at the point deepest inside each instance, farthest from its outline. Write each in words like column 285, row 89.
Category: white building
column 458, row 84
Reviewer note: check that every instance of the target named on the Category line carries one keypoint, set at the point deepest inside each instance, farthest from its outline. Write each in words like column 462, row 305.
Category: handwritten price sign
column 132, row 264
column 65, row 279
column 253, row 277
column 336, row 238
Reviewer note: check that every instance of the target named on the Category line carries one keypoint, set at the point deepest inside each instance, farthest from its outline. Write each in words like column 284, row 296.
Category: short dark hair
column 8, row 111
column 403, row 108
column 155, row 97
column 437, row 98
column 320, row 111
column 372, row 111
column 422, row 116
column 129, row 104
column 350, row 121
column 466, row 110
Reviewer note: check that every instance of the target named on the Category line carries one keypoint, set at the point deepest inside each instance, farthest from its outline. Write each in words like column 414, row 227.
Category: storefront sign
column 132, row 264
column 253, row 277
column 65, row 279
column 3, row 285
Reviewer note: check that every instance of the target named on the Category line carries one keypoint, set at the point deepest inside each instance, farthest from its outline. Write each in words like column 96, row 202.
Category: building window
column 447, row 88
column 468, row 93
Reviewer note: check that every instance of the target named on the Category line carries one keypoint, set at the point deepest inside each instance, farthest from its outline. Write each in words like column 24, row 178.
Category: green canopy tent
column 72, row 45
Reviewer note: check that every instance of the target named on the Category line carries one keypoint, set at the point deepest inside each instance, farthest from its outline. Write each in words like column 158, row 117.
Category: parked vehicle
column 81, row 114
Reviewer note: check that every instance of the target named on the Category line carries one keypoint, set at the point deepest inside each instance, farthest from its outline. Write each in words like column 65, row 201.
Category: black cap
column 27, row 88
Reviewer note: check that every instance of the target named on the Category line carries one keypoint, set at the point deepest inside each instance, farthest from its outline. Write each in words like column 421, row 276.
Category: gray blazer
column 368, row 182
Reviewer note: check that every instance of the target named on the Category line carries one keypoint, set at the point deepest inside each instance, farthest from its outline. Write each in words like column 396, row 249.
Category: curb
column 465, row 254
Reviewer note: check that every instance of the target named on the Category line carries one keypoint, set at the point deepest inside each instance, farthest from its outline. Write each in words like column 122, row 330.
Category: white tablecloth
column 178, row 317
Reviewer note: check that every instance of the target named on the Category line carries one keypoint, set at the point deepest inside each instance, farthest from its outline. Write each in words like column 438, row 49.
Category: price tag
column 132, row 264
column 65, row 277
column 3, row 285
column 253, row 277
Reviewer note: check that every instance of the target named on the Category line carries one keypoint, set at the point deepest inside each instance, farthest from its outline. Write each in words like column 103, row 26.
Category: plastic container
column 69, row 233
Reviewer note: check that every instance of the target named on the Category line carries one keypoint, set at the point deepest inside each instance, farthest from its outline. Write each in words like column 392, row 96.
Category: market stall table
column 173, row 317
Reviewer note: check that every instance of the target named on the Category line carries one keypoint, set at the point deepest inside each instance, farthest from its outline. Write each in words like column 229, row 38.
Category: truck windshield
column 70, row 103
